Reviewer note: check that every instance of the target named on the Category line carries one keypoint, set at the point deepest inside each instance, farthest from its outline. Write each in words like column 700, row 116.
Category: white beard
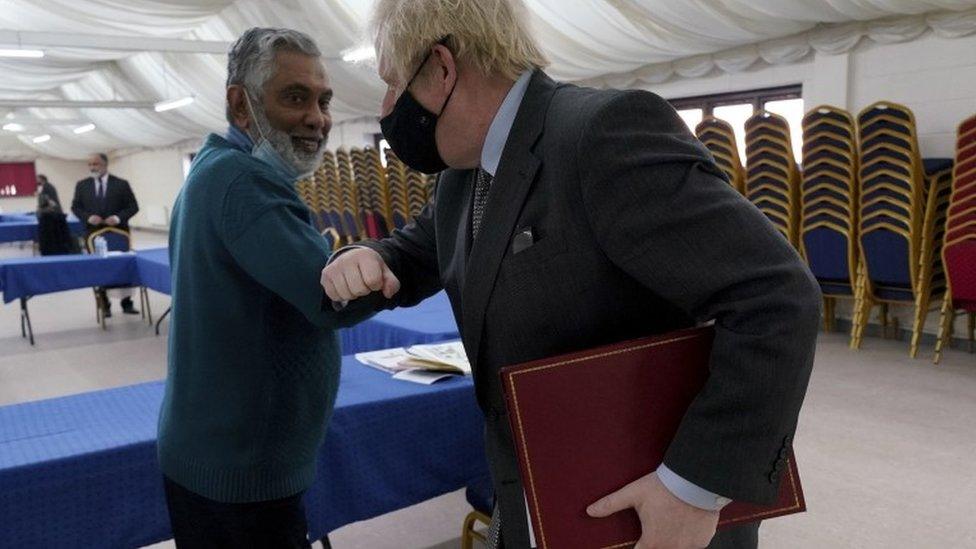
column 302, row 161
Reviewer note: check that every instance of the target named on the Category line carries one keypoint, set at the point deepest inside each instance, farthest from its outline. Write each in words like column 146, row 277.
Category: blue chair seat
column 480, row 494
column 831, row 288
column 892, row 293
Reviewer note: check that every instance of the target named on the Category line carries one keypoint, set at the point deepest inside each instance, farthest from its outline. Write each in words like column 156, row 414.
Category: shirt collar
column 501, row 125
column 235, row 136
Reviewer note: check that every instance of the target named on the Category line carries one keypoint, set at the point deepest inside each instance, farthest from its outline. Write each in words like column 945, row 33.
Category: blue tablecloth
column 153, row 266
column 22, row 227
column 81, row 471
column 430, row 321
column 23, row 277
column 8, row 218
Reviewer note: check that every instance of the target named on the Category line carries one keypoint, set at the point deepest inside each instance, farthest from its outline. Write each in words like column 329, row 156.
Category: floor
column 885, row 444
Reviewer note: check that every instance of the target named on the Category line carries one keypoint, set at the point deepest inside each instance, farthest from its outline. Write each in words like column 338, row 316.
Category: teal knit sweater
column 253, row 353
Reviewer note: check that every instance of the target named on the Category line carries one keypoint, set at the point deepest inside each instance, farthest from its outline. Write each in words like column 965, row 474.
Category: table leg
column 160, row 321
column 146, row 308
column 25, row 320
column 325, row 542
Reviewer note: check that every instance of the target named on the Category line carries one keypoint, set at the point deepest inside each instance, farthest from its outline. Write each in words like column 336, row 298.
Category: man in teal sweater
column 253, row 352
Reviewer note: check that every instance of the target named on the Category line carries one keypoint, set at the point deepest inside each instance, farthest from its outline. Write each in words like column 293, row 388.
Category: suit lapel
column 510, row 188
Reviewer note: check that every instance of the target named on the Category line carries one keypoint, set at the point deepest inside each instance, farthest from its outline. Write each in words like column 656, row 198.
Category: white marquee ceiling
column 610, row 42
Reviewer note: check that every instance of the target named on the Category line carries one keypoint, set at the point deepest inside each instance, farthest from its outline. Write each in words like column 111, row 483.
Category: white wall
column 357, row 132
column 156, row 177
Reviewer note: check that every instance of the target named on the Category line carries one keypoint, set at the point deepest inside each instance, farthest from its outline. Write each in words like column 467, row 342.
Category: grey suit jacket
column 636, row 232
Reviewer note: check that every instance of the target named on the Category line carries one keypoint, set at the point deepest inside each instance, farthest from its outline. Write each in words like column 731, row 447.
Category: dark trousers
column 201, row 523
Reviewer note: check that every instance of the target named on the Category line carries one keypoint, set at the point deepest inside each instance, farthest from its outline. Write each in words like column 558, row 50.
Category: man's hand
column 358, row 273
column 95, row 220
column 113, row 221
column 666, row 521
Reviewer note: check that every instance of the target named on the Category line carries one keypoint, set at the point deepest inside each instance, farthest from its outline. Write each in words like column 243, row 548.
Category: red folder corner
column 586, row 424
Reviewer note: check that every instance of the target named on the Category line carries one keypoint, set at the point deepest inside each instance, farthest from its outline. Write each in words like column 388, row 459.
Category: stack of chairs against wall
column 396, row 177
column 419, row 192
column 329, row 194
column 829, row 193
column 306, row 191
column 352, row 221
column 899, row 208
column 718, row 136
column 369, row 196
column 772, row 177
column 431, row 186
column 959, row 249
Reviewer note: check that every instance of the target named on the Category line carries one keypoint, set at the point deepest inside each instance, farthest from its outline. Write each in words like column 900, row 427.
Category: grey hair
column 250, row 62
column 103, row 156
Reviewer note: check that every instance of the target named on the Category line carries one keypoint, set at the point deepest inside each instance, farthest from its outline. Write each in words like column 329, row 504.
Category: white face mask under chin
column 264, row 150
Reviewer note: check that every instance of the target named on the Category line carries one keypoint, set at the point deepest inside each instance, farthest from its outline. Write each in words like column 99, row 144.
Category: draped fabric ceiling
column 615, row 43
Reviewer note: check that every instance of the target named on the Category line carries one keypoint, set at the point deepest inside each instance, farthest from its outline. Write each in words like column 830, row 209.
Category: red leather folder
column 586, row 424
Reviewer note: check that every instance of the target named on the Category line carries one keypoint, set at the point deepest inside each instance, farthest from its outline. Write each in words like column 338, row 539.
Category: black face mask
column 410, row 130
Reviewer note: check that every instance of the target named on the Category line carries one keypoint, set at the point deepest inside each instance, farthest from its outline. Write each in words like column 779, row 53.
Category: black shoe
column 128, row 308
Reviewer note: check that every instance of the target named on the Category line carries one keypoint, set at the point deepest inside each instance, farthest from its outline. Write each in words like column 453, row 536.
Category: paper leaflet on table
column 443, row 358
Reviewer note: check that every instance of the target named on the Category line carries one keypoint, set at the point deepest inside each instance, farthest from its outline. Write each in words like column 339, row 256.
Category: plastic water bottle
column 101, row 246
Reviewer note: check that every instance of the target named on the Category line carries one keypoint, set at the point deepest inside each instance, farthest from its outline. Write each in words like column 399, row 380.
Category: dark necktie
column 481, row 188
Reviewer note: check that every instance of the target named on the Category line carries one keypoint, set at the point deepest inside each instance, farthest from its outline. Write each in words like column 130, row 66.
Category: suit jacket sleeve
column 663, row 213
column 411, row 253
column 78, row 203
column 130, row 207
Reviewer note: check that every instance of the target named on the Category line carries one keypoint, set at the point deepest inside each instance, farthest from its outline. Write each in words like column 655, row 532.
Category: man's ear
column 445, row 67
column 239, row 110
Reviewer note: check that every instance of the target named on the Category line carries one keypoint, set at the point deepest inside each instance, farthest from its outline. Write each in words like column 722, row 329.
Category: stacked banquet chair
column 772, row 177
column 379, row 191
column 419, row 191
column 374, row 197
column 329, row 197
column 899, row 208
column 306, row 191
column 828, row 232
column 718, row 136
column 396, row 177
column 352, row 222
column 959, row 250
column 430, row 186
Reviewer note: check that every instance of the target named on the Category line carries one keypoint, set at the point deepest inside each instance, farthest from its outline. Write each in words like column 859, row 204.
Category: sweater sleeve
column 271, row 239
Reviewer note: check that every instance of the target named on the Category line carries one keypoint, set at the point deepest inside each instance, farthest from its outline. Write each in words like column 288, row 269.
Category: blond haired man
column 567, row 218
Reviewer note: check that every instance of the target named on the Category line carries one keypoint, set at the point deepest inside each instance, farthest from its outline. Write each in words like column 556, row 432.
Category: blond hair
column 493, row 35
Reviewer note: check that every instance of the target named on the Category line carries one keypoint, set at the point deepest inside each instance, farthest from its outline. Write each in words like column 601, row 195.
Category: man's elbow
column 804, row 291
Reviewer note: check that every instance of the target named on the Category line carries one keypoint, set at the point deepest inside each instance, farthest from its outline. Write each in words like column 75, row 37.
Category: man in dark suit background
column 571, row 218
column 103, row 200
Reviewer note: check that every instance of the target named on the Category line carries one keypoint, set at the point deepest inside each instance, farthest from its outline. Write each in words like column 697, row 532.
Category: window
column 736, row 108
column 692, row 117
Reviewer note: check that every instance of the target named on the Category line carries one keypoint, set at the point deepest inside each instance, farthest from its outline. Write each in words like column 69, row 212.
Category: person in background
column 567, row 218
column 103, row 200
column 253, row 349
column 46, row 189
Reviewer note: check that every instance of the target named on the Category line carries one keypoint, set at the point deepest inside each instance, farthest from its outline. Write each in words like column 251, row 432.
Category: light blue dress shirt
column 491, row 155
